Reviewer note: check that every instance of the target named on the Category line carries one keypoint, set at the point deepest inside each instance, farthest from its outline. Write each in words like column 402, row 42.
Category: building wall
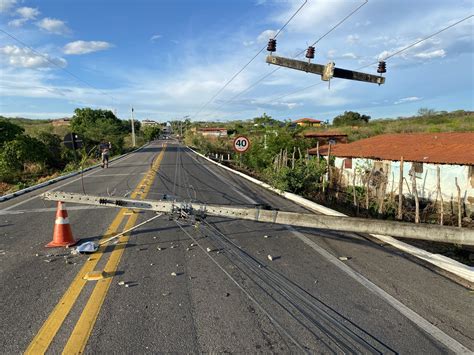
column 426, row 181
column 213, row 133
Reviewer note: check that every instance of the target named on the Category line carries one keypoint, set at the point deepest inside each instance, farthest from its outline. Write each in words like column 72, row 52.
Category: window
column 418, row 168
column 348, row 163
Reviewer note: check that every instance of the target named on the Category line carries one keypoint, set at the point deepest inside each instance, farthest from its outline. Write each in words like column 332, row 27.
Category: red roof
column 307, row 120
column 211, row 129
column 323, row 150
column 324, row 134
column 437, row 148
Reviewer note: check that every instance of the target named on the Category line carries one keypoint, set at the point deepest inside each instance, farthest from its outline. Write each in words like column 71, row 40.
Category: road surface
column 183, row 298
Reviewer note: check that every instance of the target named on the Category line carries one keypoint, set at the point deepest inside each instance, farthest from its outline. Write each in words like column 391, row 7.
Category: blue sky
column 168, row 58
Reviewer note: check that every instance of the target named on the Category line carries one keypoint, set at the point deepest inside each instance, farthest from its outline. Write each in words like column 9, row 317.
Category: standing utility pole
column 133, row 131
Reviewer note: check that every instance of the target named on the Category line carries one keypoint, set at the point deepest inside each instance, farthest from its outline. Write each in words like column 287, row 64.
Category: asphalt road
column 231, row 299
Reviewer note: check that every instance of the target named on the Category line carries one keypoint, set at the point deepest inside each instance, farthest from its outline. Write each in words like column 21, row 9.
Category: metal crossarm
column 430, row 232
column 326, row 71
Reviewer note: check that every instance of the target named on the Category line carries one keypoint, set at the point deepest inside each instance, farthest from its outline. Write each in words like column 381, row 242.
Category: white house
column 212, row 132
column 452, row 152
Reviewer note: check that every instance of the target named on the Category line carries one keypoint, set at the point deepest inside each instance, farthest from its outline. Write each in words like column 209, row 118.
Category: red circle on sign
column 241, row 144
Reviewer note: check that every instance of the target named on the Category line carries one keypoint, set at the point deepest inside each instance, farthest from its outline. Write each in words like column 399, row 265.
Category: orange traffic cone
column 62, row 235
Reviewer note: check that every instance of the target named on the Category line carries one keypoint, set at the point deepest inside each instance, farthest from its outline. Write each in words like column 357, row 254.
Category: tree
column 54, row 148
column 350, row 118
column 95, row 126
column 426, row 112
column 17, row 153
column 151, row 132
column 9, row 131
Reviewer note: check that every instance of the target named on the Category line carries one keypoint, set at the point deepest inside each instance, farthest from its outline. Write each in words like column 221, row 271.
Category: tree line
column 24, row 158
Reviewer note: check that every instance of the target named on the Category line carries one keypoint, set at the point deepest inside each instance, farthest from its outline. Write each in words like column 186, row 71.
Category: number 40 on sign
column 241, row 144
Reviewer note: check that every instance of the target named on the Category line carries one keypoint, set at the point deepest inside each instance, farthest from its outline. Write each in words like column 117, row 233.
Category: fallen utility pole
column 429, row 232
column 327, row 72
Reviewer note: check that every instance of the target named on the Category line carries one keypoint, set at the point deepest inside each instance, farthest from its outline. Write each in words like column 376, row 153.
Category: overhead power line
column 387, row 57
column 56, row 64
column 248, row 63
column 419, row 41
column 297, row 55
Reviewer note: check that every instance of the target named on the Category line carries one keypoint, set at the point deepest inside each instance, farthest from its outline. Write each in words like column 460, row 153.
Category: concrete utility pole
column 326, row 71
column 133, row 131
column 430, row 232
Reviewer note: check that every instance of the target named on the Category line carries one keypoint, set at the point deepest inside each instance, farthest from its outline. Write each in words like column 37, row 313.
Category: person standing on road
column 105, row 150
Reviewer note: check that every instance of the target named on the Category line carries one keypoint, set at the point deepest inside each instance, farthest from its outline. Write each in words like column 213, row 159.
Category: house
column 308, row 122
column 61, row 122
column 146, row 123
column 324, row 140
column 214, row 132
column 452, row 154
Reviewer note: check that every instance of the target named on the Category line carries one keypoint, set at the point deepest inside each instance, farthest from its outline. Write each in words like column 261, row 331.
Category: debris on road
column 87, row 248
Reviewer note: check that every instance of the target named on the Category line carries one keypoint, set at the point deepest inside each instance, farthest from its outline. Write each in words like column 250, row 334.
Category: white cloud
column 352, row 39
column 29, row 13
column 248, row 43
column 18, row 22
column 6, row 5
column 439, row 53
column 26, row 14
column 266, row 35
column 25, row 58
column 53, row 25
column 350, row 55
column 84, row 47
column 155, row 37
column 407, row 99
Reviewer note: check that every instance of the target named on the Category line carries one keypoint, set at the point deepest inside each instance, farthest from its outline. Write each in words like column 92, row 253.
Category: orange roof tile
column 311, row 120
column 324, row 134
column 438, row 148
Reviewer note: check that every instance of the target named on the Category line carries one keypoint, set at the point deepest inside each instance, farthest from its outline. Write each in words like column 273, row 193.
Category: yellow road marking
column 81, row 333
column 45, row 335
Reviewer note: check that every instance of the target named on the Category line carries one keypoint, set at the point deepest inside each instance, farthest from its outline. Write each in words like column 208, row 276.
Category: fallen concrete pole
column 431, row 232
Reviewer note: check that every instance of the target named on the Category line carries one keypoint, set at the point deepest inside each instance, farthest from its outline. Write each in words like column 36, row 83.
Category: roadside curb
column 60, row 178
column 461, row 273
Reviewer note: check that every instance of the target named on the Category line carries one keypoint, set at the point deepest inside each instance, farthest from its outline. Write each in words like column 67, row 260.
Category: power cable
column 56, row 64
column 297, row 55
column 419, row 41
column 248, row 63
column 388, row 57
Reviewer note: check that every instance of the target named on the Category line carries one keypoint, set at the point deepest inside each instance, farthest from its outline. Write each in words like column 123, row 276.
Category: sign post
column 241, row 145
column 73, row 141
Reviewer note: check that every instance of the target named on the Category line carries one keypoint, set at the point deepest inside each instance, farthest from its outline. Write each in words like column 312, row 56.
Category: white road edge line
column 421, row 322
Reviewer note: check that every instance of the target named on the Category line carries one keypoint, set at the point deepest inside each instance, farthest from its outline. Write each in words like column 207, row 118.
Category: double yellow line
column 80, row 335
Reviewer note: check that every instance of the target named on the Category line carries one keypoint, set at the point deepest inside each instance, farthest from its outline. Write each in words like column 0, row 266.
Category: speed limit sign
column 241, row 144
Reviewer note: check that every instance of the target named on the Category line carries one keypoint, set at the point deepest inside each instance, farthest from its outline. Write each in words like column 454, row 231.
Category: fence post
column 459, row 203
column 438, row 192
column 415, row 194
column 400, row 191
